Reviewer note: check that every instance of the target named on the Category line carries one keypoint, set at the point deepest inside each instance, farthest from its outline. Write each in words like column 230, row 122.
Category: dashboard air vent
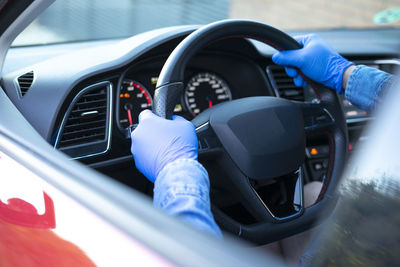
column 283, row 84
column 25, row 81
column 85, row 128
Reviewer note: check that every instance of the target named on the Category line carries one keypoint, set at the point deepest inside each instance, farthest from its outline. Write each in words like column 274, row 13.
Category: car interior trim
column 14, row 27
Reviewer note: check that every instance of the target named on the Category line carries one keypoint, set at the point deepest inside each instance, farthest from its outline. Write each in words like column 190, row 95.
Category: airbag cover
column 264, row 136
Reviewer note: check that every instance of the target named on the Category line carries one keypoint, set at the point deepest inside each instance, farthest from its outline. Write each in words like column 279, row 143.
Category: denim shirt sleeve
column 182, row 189
column 366, row 86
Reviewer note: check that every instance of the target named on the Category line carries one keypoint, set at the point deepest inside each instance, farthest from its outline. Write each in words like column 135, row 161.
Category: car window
column 69, row 21
column 38, row 220
column 364, row 230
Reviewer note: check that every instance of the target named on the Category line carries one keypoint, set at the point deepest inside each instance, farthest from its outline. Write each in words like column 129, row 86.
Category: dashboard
column 83, row 100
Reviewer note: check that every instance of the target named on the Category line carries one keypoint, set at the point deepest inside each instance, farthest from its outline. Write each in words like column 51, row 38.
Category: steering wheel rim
column 170, row 87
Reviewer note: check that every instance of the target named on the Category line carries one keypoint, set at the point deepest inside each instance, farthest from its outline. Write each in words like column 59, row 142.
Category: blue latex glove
column 157, row 142
column 317, row 60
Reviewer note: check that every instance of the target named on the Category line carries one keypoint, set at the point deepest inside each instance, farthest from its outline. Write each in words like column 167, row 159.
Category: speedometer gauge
column 205, row 90
column 133, row 98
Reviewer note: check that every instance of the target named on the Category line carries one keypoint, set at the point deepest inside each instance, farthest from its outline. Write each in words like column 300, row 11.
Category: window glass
column 69, row 20
column 364, row 229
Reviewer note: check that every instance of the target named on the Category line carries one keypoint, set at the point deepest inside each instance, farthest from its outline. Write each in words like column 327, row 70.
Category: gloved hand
column 317, row 60
column 157, row 142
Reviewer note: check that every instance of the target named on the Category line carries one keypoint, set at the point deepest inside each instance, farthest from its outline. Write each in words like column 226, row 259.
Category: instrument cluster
column 203, row 89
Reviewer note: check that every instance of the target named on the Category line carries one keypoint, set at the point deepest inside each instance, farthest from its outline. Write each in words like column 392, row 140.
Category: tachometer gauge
column 133, row 98
column 205, row 90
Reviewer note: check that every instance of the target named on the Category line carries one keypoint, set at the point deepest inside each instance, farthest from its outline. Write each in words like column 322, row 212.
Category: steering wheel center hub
column 264, row 136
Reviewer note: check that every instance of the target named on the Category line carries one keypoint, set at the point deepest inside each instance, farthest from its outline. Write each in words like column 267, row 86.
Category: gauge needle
column 210, row 104
column 130, row 117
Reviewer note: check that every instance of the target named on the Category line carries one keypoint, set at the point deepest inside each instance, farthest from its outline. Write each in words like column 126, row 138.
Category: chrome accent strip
column 298, row 192
column 202, row 126
column 355, row 120
column 315, row 126
column 89, row 113
column 108, row 119
column 329, row 114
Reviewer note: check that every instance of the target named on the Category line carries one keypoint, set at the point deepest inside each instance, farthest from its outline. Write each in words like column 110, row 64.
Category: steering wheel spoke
column 209, row 145
column 283, row 205
column 316, row 118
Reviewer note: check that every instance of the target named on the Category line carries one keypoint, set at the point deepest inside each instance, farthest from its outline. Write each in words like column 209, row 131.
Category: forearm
column 182, row 189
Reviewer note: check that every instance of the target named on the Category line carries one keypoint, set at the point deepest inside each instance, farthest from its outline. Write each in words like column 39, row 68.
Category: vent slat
column 93, row 102
column 99, row 94
column 66, row 134
column 80, row 111
column 280, row 74
column 74, row 117
column 284, row 84
column 284, row 80
column 25, row 82
column 87, row 129
column 85, row 125
column 289, row 93
column 81, row 140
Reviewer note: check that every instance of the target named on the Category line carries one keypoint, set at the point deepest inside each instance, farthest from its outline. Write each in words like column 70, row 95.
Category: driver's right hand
column 317, row 60
column 158, row 141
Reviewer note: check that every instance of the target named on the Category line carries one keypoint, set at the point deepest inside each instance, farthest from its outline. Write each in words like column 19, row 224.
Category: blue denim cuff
column 365, row 86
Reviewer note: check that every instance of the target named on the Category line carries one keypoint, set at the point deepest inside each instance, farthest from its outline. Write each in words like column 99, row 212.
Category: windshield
column 70, row 21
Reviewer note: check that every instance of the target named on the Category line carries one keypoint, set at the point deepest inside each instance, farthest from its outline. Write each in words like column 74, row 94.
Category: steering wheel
column 260, row 139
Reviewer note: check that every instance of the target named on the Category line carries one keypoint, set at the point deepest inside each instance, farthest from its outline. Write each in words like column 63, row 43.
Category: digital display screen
column 153, row 80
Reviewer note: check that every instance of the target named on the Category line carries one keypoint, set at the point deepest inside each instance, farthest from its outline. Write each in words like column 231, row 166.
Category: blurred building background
column 71, row 20
column 313, row 14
